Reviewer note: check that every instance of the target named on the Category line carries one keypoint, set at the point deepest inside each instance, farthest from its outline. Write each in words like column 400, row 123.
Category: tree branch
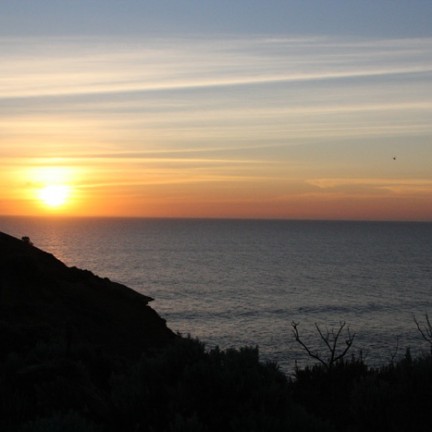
column 305, row 347
column 330, row 340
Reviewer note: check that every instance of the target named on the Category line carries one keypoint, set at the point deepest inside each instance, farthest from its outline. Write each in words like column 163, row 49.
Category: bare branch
column 335, row 341
column 324, row 338
column 396, row 350
column 426, row 332
column 348, row 344
column 330, row 339
column 305, row 347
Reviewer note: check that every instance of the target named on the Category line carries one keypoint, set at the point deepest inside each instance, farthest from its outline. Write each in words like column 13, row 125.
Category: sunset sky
column 200, row 108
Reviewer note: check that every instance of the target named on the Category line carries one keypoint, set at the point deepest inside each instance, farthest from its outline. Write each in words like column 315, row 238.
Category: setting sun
column 54, row 196
column 52, row 188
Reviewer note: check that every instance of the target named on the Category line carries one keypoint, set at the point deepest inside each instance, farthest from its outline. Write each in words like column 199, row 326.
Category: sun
column 54, row 196
column 53, row 187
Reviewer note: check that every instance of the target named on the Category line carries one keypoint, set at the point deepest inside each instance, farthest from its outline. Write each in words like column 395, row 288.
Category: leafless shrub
column 330, row 340
column 394, row 353
column 425, row 330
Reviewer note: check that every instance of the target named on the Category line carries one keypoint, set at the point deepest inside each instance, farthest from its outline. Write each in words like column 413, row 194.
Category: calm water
column 236, row 283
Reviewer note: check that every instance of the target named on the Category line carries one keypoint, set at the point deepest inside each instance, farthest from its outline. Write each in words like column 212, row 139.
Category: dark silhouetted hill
column 43, row 300
column 81, row 353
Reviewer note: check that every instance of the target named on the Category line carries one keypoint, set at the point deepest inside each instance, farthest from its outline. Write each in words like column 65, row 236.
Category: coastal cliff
column 82, row 353
column 44, row 301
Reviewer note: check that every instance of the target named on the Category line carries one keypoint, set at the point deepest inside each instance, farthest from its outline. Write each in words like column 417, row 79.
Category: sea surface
column 233, row 283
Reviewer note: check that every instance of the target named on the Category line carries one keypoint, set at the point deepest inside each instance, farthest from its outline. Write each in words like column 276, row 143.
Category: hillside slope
column 43, row 300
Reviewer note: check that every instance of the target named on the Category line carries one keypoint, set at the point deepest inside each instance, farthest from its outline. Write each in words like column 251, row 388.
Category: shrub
column 60, row 422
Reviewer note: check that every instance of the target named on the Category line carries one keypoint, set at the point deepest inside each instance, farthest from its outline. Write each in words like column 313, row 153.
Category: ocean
column 233, row 283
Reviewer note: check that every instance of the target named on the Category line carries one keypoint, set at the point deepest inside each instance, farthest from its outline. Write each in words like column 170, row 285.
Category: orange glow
column 48, row 187
column 167, row 188
column 54, row 196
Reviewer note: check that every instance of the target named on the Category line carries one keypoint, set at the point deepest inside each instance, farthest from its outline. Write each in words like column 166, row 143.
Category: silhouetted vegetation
column 57, row 379
column 425, row 330
column 330, row 340
column 181, row 387
column 184, row 387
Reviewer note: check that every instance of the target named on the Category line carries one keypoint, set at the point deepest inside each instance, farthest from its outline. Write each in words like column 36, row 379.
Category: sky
column 221, row 109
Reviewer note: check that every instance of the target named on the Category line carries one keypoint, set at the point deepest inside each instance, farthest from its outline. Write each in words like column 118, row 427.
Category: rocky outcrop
column 43, row 300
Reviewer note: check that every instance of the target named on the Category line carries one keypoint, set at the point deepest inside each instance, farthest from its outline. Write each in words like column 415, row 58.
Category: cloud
column 183, row 92
column 396, row 186
column 74, row 66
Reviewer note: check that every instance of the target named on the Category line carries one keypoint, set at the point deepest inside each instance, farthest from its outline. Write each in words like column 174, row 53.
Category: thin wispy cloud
column 163, row 91
column 399, row 186
column 72, row 67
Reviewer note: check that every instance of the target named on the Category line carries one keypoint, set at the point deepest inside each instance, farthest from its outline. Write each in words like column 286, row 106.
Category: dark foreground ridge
column 82, row 354
column 43, row 300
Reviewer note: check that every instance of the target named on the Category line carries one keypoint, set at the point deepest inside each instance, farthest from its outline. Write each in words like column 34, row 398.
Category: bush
column 185, row 387
column 61, row 422
column 396, row 397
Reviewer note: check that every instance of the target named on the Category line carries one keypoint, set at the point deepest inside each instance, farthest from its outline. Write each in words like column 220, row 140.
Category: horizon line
column 216, row 218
